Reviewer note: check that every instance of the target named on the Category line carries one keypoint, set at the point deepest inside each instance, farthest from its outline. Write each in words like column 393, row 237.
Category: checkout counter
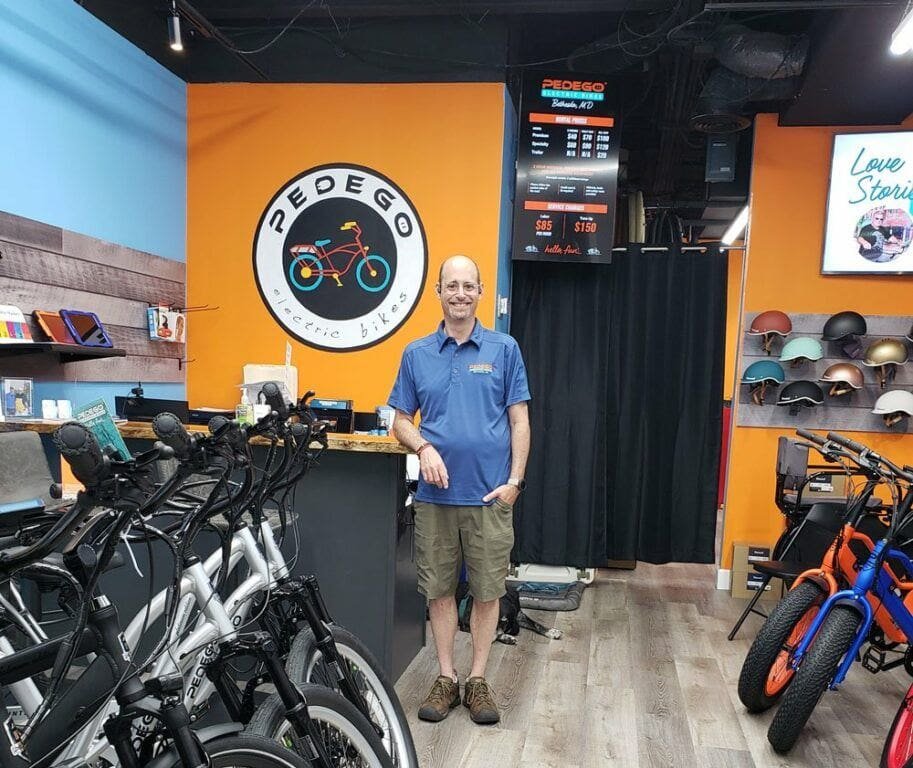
column 354, row 534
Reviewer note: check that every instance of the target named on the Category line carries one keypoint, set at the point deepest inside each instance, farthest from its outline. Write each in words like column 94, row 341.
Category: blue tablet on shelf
column 86, row 328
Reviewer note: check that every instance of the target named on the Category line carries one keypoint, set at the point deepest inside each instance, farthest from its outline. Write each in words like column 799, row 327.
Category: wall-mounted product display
column 846, row 328
column 885, row 355
column 13, row 328
column 567, row 169
column 770, row 325
column 894, row 406
column 800, row 394
column 166, row 324
column 86, row 328
column 823, row 387
column 801, row 349
column 54, row 326
column 868, row 227
column 760, row 375
column 844, row 378
column 103, row 289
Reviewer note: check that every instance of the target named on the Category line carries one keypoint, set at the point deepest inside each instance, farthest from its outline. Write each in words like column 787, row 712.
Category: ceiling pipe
column 208, row 30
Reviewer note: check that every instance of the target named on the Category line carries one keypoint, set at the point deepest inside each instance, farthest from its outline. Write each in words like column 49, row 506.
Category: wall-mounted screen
column 567, row 169
column 869, row 222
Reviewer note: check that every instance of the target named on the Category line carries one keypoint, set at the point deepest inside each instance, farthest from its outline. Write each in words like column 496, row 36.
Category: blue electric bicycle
column 833, row 641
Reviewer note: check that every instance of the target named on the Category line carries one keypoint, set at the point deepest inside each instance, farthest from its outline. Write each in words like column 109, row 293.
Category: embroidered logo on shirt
column 481, row 368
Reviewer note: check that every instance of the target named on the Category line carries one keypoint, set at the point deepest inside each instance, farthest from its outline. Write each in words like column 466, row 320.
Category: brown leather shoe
column 480, row 699
column 444, row 696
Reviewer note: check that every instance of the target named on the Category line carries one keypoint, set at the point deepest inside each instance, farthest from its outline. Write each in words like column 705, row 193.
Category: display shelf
column 68, row 353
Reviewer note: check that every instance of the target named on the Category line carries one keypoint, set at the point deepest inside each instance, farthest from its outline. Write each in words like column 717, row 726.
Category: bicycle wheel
column 305, row 664
column 898, row 747
column 766, row 672
column 305, row 272
column 816, row 672
column 373, row 283
column 246, row 751
column 348, row 738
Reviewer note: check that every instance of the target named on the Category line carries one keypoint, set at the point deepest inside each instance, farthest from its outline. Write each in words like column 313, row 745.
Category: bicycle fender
column 205, row 735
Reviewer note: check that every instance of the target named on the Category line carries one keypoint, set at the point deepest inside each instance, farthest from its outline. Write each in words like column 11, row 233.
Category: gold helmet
column 885, row 352
column 884, row 355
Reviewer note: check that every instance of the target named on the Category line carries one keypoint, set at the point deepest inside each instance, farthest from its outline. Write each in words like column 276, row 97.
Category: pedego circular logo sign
column 340, row 257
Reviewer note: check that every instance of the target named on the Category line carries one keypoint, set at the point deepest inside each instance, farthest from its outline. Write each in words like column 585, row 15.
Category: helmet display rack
column 849, row 411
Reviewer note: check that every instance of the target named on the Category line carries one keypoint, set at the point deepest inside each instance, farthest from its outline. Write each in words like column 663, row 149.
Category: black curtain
column 626, row 372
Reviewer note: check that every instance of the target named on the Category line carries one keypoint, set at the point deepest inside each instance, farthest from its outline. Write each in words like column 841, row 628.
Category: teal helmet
column 764, row 371
column 802, row 347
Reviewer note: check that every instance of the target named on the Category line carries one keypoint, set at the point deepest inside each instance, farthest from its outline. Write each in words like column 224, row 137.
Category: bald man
column 469, row 384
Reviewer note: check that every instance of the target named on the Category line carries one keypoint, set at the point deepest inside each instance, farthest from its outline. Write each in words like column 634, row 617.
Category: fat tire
column 325, row 707
column 813, row 677
column 901, row 719
column 769, row 642
column 300, row 657
column 247, row 751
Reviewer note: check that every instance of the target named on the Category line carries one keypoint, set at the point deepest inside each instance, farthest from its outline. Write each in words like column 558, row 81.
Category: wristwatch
column 517, row 482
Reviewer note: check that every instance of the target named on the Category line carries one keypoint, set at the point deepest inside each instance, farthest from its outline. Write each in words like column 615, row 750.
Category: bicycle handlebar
column 812, row 437
column 171, row 432
column 82, row 452
column 274, row 399
column 852, row 445
column 859, row 448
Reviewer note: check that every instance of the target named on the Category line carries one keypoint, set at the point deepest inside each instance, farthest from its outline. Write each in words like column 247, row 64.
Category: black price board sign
column 567, row 170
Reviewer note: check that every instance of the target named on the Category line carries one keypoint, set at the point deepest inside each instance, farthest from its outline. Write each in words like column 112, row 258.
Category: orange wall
column 442, row 144
column 733, row 301
column 790, row 173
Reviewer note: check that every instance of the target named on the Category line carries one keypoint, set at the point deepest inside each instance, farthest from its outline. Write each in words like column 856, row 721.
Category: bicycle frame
column 215, row 623
column 872, row 579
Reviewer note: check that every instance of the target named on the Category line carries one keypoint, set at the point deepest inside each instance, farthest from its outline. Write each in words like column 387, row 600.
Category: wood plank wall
column 49, row 268
column 846, row 412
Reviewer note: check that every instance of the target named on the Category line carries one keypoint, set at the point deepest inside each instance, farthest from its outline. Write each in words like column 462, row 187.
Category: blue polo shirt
column 463, row 392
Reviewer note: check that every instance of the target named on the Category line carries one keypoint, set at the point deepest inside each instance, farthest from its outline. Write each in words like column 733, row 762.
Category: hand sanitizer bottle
column 244, row 411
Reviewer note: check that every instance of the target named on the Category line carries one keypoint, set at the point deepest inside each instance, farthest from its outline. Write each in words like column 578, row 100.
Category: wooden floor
column 644, row 676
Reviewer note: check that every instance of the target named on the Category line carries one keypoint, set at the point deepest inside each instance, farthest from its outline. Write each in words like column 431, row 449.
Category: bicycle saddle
column 322, row 243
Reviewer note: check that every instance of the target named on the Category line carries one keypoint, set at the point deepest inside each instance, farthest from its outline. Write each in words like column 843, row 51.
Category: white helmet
column 894, row 405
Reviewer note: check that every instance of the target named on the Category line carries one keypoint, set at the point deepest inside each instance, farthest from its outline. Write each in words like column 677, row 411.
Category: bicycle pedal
column 873, row 659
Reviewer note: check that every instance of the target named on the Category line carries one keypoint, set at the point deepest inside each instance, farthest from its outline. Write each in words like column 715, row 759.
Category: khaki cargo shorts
column 483, row 536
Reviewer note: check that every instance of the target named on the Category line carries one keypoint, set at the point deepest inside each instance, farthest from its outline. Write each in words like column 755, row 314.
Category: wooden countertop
column 143, row 431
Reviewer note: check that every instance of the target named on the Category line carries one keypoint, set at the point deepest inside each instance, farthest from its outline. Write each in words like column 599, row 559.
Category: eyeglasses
column 468, row 288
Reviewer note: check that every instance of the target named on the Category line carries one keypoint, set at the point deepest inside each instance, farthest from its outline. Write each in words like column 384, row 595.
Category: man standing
column 469, row 383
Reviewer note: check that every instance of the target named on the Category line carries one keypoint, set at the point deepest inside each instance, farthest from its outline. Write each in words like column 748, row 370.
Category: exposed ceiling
column 660, row 54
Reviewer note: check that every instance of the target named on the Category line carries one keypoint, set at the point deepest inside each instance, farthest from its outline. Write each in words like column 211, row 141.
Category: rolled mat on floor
column 545, row 596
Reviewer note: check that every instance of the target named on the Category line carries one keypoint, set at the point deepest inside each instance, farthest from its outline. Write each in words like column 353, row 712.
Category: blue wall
column 93, row 139
column 94, row 132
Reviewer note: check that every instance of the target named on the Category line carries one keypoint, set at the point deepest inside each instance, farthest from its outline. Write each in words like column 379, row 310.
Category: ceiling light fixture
column 902, row 39
column 736, row 228
column 174, row 29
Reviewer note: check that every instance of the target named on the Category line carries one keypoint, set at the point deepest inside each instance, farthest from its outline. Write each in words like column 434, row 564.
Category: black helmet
column 798, row 393
column 844, row 324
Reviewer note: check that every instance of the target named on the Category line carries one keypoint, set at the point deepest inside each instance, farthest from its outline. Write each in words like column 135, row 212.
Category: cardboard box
column 826, row 487
column 744, row 553
column 745, row 585
column 745, row 580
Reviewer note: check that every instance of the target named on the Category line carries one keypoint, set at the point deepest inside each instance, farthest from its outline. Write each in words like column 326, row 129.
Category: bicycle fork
column 856, row 597
column 311, row 604
column 261, row 646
